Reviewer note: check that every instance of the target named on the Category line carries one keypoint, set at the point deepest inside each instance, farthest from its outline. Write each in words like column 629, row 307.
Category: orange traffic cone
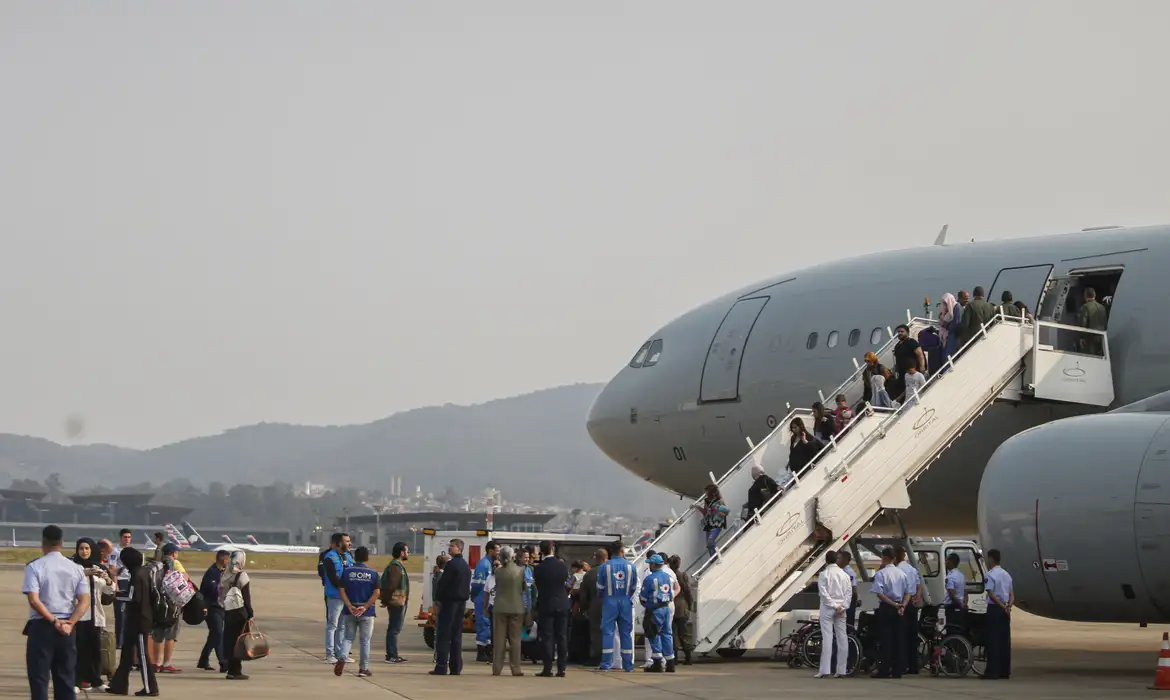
column 1162, row 677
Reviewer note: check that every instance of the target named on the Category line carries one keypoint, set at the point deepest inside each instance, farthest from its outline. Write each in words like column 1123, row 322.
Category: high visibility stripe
column 607, row 651
column 1163, row 662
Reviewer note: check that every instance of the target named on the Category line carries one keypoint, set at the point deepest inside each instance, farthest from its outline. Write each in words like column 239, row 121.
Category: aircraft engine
column 1080, row 510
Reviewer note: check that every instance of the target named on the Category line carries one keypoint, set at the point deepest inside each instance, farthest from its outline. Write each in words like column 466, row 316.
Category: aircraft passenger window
column 654, row 354
column 854, row 337
column 812, row 340
column 875, row 337
column 831, row 341
column 641, row 356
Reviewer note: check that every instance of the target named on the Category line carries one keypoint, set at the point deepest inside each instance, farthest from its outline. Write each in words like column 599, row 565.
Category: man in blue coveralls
column 656, row 595
column 617, row 584
column 483, row 626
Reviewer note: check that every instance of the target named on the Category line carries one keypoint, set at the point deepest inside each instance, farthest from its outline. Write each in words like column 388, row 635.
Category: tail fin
column 177, row 537
column 252, row 540
column 227, row 540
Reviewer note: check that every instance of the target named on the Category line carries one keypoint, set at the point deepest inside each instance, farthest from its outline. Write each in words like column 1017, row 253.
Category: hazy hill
column 532, row 447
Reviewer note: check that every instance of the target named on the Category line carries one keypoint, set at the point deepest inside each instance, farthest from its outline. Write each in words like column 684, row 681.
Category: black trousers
column 553, row 628
column 215, row 619
column 449, row 638
column 134, row 645
column 89, row 653
column 891, row 641
column 998, row 642
column 234, row 622
column 595, row 631
column 50, row 654
column 910, row 629
column 956, row 616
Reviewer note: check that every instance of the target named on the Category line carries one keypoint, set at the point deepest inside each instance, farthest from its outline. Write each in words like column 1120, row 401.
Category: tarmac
column 1050, row 660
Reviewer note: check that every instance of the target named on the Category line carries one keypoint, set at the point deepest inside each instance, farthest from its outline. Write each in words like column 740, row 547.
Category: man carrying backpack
column 168, row 609
column 333, row 565
column 138, row 621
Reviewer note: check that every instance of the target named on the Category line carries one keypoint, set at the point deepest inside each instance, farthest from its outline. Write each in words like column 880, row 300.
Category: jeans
column 397, row 617
column 119, row 616
column 712, row 538
column 334, row 633
column 214, row 639
column 50, row 653
column 353, row 625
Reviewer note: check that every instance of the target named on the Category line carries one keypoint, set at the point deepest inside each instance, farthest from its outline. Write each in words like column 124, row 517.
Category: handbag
column 251, row 644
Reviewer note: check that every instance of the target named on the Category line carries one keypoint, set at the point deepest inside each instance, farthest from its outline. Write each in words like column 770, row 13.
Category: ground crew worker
column 617, row 584
column 956, row 605
column 892, row 589
column 1092, row 315
column 916, row 591
column 58, row 595
column 483, row 626
column 836, row 593
column 656, row 596
column 1000, row 599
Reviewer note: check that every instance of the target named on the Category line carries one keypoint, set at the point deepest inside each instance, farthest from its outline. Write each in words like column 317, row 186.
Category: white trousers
column 833, row 631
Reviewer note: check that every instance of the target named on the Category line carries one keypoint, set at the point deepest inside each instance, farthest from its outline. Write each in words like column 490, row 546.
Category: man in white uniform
column 836, row 592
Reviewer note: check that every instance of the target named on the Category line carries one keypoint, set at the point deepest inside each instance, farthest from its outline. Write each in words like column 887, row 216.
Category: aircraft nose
column 604, row 422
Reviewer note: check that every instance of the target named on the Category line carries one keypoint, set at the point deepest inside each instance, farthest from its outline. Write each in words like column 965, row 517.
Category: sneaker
column 364, row 673
column 102, row 689
column 170, row 669
column 237, row 677
column 398, row 660
column 348, row 659
column 339, row 667
column 330, row 660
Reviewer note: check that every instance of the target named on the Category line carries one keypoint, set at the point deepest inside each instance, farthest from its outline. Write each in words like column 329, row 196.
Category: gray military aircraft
column 1059, row 500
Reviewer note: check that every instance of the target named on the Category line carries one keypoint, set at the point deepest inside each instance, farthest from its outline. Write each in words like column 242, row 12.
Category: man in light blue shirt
column 1000, row 599
column 58, row 595
column 956, row 604
column 893, row 592
column 910, row 616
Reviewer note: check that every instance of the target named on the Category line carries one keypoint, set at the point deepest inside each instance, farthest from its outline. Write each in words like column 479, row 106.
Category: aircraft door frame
column 1033, row 302
column 719, row 380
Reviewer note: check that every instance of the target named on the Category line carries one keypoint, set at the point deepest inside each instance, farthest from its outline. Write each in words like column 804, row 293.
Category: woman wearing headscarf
column 91, row 623
column 235, row 597
column 762, row 489
column 948, row 324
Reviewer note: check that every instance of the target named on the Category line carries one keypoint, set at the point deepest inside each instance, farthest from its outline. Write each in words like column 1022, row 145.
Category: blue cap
column 170, row 548
column 655, row 559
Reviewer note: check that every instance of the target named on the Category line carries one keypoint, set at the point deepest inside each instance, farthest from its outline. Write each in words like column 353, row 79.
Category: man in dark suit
column 591, row 606
column 552, row 609
column 454, row 590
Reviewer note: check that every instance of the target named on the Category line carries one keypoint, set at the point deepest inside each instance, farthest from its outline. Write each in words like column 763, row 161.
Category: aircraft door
column 720, row 381
column 1027, row 284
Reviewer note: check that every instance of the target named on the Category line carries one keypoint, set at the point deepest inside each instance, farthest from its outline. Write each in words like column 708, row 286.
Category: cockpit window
column 654, row 353
column 640, row 357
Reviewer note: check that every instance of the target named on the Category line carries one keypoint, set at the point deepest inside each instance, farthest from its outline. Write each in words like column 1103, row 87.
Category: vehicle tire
column 956, row 658
column 730, row 653
column 429, row 636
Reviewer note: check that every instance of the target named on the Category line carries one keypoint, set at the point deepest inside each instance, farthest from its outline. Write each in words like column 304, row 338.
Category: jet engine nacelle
column 1080, row 510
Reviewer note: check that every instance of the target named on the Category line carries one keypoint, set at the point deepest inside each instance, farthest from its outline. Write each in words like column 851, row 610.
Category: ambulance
column 568, row 547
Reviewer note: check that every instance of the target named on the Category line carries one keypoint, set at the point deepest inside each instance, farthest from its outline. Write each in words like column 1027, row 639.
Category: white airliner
column 199, row 542
column 1080, row 508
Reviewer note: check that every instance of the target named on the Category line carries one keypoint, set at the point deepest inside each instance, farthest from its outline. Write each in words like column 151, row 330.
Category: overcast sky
column 219, row 213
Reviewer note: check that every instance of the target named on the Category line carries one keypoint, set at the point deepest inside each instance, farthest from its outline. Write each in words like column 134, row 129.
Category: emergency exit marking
column 1055, row 565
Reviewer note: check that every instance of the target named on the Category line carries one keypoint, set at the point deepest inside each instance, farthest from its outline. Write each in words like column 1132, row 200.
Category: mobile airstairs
column 761, row 564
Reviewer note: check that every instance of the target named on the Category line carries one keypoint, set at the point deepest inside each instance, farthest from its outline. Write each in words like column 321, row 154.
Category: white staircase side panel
column 910, row 439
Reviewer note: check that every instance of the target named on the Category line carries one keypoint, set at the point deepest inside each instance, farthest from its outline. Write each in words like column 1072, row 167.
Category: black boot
column 480, row 657
column 655, row 668
column 670, row 666
column 687, row 657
